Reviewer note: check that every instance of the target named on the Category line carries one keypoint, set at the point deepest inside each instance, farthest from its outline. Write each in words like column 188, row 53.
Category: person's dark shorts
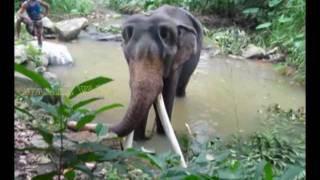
column 36, row 25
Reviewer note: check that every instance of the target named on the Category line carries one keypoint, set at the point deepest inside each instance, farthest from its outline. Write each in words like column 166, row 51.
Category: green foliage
column 63, row 111
column 277, row 152
column 72, row 6
column 17, row 5
column 224, row 7
column 88, row 86
column 37, row 78
column 282, row 24
column 110, row 29
column 230, row 40
column 34, row 54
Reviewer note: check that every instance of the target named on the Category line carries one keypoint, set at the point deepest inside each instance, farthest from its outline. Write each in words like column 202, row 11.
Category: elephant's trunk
column 146, row 84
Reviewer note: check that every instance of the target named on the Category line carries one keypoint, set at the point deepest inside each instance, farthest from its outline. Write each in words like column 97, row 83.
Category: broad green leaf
column 89, row 85
column 84, row 120
column 89, row 157
column 107, row 107
column 273, row 3
column 101, row 129
column 268, row 171
column 46, row 135
column 113, row 155
column 301, row 35
column 298, row 44
column 235, row 166
column 45, row 176
column 51, row 109
column 264, row 25
column 64, row 110
column 24, row 111
column 37, row 78
column 152, row 159
column 251, row 11
column 84, row 102
column 70, row 175
column 283, row 19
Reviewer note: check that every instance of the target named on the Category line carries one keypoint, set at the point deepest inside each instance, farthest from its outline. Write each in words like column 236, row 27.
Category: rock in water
column 24, row 85
column 56, row 54
column 20, row 55
column 52, row 78
column 116, row 37
column 253, row 51
column 70, row 29
column 48, row 24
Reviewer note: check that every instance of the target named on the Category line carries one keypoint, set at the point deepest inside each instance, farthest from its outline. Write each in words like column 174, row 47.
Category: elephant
column 162, row 49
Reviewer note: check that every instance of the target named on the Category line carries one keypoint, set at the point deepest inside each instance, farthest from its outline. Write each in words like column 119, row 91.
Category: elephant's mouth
column 146, row 84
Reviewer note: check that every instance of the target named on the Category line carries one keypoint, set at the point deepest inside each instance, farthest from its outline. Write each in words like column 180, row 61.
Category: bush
column 230, row 40
column 282, row 24
column 71, row 6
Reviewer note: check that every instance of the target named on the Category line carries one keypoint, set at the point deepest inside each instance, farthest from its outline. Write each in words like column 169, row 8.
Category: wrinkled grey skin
column 162, row 50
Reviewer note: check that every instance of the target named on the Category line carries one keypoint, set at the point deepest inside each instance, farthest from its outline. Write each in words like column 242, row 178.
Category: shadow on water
column 223, row 96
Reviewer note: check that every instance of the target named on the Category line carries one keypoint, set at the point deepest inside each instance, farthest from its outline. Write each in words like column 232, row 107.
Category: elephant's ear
column 187, row 44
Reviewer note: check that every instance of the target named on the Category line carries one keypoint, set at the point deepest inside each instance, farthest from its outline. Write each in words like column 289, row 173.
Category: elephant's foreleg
column 139, row 131
column 186, row 72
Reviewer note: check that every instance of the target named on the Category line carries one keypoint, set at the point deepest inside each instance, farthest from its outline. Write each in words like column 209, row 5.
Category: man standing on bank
column 33, row 18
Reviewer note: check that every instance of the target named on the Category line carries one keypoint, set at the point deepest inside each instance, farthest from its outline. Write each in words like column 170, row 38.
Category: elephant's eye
column 127, row 33
column 166, row 35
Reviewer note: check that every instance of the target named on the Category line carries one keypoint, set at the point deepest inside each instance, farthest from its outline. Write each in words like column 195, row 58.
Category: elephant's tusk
column 129, row 140
column 168, row 128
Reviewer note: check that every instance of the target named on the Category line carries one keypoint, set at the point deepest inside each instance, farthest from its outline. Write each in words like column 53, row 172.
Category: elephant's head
column 153, row 46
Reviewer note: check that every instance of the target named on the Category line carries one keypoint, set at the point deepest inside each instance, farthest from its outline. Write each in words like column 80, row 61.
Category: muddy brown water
column 223, row 96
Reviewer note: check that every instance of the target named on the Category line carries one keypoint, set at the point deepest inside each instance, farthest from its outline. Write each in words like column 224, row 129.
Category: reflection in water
column 224, row 93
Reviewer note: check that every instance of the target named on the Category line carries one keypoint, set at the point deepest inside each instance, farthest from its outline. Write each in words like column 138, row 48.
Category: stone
column 67, row 144
column 45, row 168
column 48, row 24
column 38, row 142
column 52, row 78
column 20, row 54
column 116, row 37
column 54, row 54
column 253, row 51
column 22, row 162
column 82, row 136
column 23, row 84
column 31, row 66
column 43, row 159
column 69, row 29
